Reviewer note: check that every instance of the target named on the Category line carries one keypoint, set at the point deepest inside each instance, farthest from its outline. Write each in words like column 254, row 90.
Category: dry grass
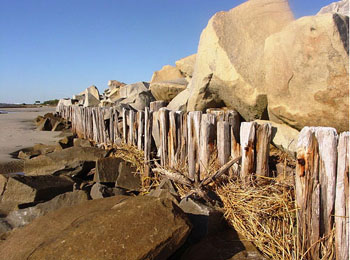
column 264, row 213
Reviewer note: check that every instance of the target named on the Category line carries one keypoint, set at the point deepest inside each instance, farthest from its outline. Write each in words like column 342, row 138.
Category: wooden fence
column 322, row 173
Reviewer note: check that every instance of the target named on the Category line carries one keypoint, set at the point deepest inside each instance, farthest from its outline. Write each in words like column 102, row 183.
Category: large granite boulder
column 60, row 162
column 22, row 217
column 136, row 95
column 340, row 7
column 111, row 228
column 168, row 72
column 307, row 72
column 92, row 97
column 167, row 90
column 179, row 103
column 64, row 102
column 186, row 65
column 229, row 67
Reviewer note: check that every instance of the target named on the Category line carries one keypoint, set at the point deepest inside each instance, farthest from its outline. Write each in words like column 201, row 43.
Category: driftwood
column 223, row 169
column 173, row 175
column 342, row 231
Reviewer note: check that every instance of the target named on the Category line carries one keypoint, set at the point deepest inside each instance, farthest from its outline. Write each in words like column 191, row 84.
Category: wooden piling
column 156, row 105
column 193, row 129
column 247, row 133
column 148, row 139
column 263, row 139
column 140, row 131
column 207, row 143
column 223, row 142
column 307, row 190
column 131, row 124
column 172, row 139
column 163, row 133
column 125, row 125
column 342, row 231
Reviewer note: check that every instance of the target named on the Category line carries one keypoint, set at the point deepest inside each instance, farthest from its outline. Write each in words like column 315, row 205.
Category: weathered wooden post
column 95, row 125
column 140, row 130
column 307, row 189
column 207, row 143
column 193, row 129
column 223, row 142
column 156, row 105
column 182, row 135
column 116, row 127
column 111, row 125
column 178, row 130
column 148, row 139
column 263, row 139
column 125, row 125
column 131, row 123
column 163, row 133
column 172, row 139
column 247, row 133
column 234, row 120
column 327, row 139
column 342, row 231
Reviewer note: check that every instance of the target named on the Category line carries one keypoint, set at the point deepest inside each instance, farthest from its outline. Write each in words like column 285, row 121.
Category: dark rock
column 4, row 226
column 23, row 191
column 81, row 142
column 99, row 191
column 62, row 160
column 58, row 126
column 134, row 228
column 66, row 141
column 128, row 178
column 44, row 125
column 107, row 169
column 206, row 220
column 23, row 217
column 225, row 245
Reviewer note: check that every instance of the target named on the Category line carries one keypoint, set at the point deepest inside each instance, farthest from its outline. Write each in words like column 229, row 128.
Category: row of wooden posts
column 181, row 138
column 189, row 139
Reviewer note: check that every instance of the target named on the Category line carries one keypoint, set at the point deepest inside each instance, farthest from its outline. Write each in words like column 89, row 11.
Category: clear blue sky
column 56, row 48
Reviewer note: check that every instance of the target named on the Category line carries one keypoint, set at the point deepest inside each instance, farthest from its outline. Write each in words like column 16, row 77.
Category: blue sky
column 56, row 48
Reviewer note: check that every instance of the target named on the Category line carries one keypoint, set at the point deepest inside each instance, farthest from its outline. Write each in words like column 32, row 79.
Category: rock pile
column 51, row 122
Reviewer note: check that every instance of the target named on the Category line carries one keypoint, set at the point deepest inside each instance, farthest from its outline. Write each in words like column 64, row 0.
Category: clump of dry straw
column 264, row 213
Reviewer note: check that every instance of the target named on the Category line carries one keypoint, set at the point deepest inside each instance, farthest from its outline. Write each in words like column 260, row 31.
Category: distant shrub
column 52, row 102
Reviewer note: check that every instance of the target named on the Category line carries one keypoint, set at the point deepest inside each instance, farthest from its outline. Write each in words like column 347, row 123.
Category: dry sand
column 17, row 131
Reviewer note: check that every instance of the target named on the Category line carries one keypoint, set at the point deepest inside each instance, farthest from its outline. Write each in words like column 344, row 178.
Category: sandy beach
column 17, row 131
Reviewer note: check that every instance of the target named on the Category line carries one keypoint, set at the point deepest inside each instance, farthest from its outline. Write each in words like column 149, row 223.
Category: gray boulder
column 64, row 160
column 23, row 217
column 22, row 191
column 137, row 96
column 340, row 7
column 128, row 178
column 167, row 90
column 132, row 227
column 206, row 220
column 92, row 97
